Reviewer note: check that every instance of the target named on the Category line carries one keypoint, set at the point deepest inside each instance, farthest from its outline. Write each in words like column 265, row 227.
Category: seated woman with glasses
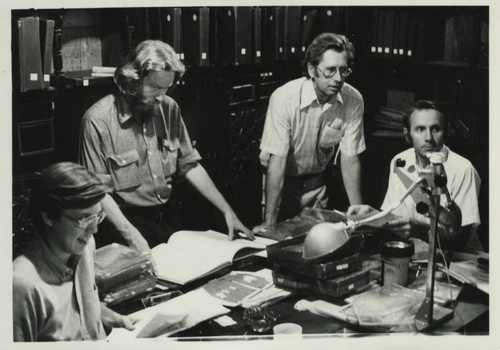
column 54, row 292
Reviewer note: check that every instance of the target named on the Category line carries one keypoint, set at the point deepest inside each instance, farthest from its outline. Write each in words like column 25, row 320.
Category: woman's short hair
column 64, row 185
column 323, row 43
column 149, row 55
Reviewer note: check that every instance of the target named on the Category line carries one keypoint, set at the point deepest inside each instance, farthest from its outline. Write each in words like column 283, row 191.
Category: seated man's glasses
column 86, row 221
column 330, row 72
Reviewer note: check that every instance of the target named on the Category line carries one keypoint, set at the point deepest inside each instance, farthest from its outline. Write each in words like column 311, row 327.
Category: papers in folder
column 190, row 255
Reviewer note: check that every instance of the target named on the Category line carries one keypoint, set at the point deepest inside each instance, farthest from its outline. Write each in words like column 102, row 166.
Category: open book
column 190, row 255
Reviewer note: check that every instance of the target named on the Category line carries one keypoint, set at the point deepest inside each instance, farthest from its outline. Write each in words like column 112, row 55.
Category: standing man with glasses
column 306, row 120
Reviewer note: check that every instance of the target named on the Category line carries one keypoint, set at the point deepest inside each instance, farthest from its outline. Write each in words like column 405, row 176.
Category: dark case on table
column 322, row 271
column 335, row 288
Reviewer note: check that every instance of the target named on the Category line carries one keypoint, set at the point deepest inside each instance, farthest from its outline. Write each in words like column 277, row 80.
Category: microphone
column 450, row 215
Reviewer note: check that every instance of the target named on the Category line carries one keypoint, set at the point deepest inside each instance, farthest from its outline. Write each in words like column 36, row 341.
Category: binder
column 410, row 48
column 374, row 33
column 141, row 20
column 380, row 33
column 273, row 34
column 46, row 43
column 243, row 20
column 308, row 32
column 234, row 38
column 292, row 32
column 400, row 35
column 331, row 19
column 171, row 29
column 388, row 34
column 280, row 33
column 29, row 41
column 257, row 35
column 269, row 35
column 21, row 71
column 154, row 23
column 195, row 35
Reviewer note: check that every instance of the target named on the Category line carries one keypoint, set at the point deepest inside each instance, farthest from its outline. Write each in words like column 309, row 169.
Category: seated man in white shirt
column 425, row 128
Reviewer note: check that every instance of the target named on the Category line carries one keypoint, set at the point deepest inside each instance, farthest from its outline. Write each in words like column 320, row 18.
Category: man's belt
column 147, row 213
column 307, row 182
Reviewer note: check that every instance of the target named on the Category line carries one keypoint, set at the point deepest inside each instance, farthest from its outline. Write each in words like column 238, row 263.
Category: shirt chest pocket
column 170, row 150
column 124, row 170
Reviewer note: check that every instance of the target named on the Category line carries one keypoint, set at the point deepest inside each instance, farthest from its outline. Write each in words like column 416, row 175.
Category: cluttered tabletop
column 286, row 285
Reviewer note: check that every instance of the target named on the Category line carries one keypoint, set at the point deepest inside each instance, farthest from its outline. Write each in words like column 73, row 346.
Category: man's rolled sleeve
column 391, row 194
column 466, row 197
column 90, row 154
column 276, row 135
column 353, row 140
column 188, row 155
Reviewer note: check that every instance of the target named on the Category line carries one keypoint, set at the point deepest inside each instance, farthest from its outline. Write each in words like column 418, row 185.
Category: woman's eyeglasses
column 86, row 221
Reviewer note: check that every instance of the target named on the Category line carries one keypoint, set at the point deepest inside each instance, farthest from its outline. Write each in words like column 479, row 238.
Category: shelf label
column 85, row 82
column 46, row 77
column 33, row 76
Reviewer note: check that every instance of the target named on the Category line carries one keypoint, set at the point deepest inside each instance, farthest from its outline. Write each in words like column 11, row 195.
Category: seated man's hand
column 408, row 227
column 402, row 226
column 358, row 209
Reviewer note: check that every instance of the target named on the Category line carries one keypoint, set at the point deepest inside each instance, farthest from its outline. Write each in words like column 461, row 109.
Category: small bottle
column 395, row 261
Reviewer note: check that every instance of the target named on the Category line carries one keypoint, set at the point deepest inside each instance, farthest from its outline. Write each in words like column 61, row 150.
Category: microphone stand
column 430, row 315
